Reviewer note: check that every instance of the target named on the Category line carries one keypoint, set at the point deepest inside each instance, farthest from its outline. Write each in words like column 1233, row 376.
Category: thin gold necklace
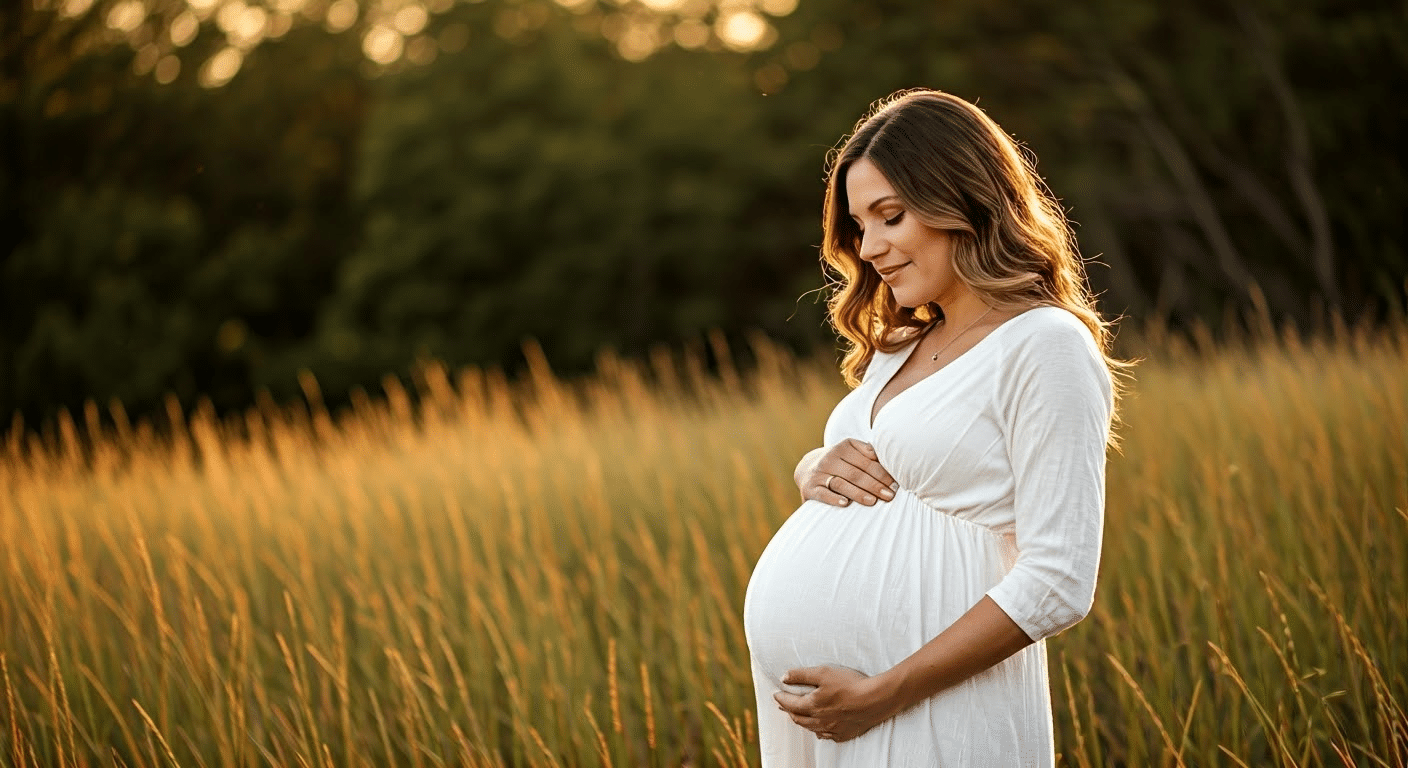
column 935, row 357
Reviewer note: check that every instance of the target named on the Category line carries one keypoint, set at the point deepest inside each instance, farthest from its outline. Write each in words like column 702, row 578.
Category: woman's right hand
column 847, row 471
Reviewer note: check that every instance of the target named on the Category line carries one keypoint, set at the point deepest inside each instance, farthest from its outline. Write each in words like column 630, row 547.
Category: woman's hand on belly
column 847, row 471
column 844, row 704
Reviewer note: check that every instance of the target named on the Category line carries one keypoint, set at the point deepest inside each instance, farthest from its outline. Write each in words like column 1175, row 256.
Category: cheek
column 913, row 241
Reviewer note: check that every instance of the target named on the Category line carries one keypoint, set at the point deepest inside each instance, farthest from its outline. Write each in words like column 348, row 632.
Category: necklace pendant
column 934, row 358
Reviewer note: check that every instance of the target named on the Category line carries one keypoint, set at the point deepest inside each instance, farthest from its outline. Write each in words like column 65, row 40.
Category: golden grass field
column 547, row 573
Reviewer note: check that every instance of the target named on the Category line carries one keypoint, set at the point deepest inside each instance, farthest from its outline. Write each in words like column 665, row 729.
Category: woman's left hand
column 845, row 703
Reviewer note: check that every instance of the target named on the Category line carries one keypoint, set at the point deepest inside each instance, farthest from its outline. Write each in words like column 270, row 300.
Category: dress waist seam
column 1003, row 537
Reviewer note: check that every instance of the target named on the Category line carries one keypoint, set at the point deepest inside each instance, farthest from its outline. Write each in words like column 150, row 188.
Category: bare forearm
column 981, row 638
column 845, row 703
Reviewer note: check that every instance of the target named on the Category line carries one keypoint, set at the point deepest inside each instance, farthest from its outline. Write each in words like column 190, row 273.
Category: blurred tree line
column 605, row 173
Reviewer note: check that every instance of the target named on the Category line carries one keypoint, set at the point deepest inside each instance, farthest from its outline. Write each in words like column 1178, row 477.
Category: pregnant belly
column 864, row 587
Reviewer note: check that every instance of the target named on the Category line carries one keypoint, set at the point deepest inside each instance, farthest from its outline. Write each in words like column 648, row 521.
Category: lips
column 887, row 272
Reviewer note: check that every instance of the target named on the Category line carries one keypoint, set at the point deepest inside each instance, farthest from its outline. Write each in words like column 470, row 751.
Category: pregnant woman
column 952, row 518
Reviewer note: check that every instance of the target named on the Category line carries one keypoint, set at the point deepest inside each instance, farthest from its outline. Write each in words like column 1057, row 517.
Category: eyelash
column 889, row 222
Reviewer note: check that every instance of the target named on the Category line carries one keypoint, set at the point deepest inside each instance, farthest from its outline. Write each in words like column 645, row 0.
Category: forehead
column 865, row 184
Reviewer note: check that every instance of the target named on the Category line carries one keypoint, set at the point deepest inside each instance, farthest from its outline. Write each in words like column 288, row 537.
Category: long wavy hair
column 954, row 169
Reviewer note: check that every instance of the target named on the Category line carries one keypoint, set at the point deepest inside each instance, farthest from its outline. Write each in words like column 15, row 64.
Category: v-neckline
column 874, row 414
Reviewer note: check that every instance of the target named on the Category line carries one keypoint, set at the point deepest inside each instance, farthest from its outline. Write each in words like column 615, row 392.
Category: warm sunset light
column 383, row 45
column 242, row 24
column 389, row 29
column 691, row 34
column 221, row 67
column 342, row 14
column 72, row 8
column 742, row 30
column 127, row 15
column 431, row 383
column 639, row 39
column 278, row 25
column 410, row 19
column 183, row 29
column 167, row 69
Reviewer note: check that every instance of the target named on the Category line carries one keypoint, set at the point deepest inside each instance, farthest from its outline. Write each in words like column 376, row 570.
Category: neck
column 962, row 309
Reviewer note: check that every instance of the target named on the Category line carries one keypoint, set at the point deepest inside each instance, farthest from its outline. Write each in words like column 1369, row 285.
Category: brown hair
column 954, row 169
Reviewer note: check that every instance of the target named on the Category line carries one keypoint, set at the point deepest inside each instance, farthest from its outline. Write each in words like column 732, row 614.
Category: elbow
column 1064, row 605
column 1073, row 617
column 1073, row 604
column 1060, row 617
column 1041, row 609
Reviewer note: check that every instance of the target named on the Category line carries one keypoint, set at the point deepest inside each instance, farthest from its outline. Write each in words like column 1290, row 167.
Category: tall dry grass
column 552, row 574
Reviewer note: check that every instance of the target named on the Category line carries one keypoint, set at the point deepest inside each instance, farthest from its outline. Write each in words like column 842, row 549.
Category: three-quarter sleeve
column 1054, row 398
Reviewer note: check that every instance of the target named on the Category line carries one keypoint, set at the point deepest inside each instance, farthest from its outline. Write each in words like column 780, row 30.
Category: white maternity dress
column 1000, row 459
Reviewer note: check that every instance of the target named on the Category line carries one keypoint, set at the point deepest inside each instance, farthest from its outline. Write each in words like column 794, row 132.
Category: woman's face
column 914, row 259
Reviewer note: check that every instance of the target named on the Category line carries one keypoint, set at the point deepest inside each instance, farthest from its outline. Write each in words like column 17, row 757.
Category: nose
column 872, row 245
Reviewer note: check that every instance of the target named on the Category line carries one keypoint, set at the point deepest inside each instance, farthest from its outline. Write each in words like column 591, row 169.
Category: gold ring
column 829, row 478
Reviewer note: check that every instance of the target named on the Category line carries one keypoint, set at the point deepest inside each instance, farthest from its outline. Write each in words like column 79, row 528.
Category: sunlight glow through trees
column 393, row 31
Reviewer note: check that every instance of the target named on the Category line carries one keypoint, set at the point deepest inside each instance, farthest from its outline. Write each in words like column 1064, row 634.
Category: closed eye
column 888, row 222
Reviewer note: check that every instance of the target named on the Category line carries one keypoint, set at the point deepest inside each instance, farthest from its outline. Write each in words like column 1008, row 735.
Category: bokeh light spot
column 243, row 24
column 127, row 15
column 576, row 6
column 145, row 59
column 228, row 17
column 221, row 67
column 75, row 7
column 691, row 34
column 662, row 6
column 279, row 25
column 777, row 7
column 183, row 29
column 742, row 30
column 639, row 39
column 167, row 69
column 410, row 20
column 695, row 9
column 341, row 15
column 383, row 44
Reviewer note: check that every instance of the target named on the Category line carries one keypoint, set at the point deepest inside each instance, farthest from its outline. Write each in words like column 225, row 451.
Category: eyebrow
column 877, row 203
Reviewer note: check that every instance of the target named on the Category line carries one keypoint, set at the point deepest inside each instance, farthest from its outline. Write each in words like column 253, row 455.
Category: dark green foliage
column 548, row 189
column 214, row 242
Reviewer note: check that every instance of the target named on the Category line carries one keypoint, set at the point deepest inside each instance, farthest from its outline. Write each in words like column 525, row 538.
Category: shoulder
column 1049, row 322
column 1049, row 332
column 1051, row 347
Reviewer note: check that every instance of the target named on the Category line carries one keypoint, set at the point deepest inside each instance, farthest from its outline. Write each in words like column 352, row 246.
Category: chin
column 908, row 300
